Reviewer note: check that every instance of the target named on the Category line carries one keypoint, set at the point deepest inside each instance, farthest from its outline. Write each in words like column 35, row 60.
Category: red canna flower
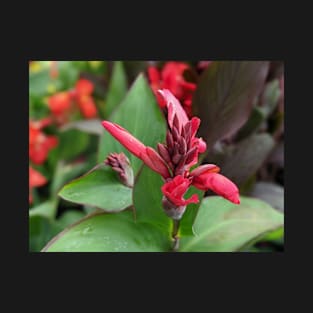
column 171, row 78
column 175, row 159
column 40, row 144
column 36, row 179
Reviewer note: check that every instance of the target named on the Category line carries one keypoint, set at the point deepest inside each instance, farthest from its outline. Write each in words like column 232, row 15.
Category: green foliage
column 117, row 88
column 222, row 226
column 110, row 233
column 241, row 111
column 100, row 188
column 147, row 197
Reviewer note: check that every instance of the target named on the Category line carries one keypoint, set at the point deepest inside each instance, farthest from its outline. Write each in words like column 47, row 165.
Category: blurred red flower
column 63, row 103
column 36, row 179
column 39, row 143
column 171, row 78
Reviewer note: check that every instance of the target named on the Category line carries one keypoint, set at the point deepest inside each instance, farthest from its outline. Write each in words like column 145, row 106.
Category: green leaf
column 66, row 172
column 255, row 120
column 72, row 143
column 91, row 126
column 186, row 223
column 140, row 115
column 224, row 96
column 100, row 188
column 272, row 95
column 269, row 101
column 41, row 230
column 147, row 198
column 117, row 88
column 69, row 217
column 240, row 161
column 110, row 233
column 46, row 209
column 275, row 236
column 222, row 226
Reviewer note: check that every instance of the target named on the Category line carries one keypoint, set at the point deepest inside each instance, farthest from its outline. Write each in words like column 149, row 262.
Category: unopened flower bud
column 120, row 164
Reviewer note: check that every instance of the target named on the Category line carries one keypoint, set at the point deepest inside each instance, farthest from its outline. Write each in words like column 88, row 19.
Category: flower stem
column 174, row 234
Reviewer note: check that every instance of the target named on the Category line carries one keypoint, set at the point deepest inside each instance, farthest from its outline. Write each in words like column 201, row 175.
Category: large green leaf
column 117, row 88
column 45, row 209
column 224, row 96
column 100, row 188
column 222, row 226
column 140, row 115
column 147, row 199
column 240, row 161
column 110, row 233
column 69, row 217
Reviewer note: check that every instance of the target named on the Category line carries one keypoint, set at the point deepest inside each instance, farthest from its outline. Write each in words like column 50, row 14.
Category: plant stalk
column 175, row 236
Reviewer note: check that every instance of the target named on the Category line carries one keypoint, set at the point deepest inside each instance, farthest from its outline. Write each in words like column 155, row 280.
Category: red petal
column 152, row 159
column 195, row 123
column 174, row 108
column 131, row 143
column 220, row 185
column 153, row 75
column 204, row 169
column 176, row 188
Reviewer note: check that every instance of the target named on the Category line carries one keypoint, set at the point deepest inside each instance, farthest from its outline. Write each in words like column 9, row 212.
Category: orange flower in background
column 36, row 179
column 171, row 78
column 86, row 104
column 40, row 144
column 62, row 104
